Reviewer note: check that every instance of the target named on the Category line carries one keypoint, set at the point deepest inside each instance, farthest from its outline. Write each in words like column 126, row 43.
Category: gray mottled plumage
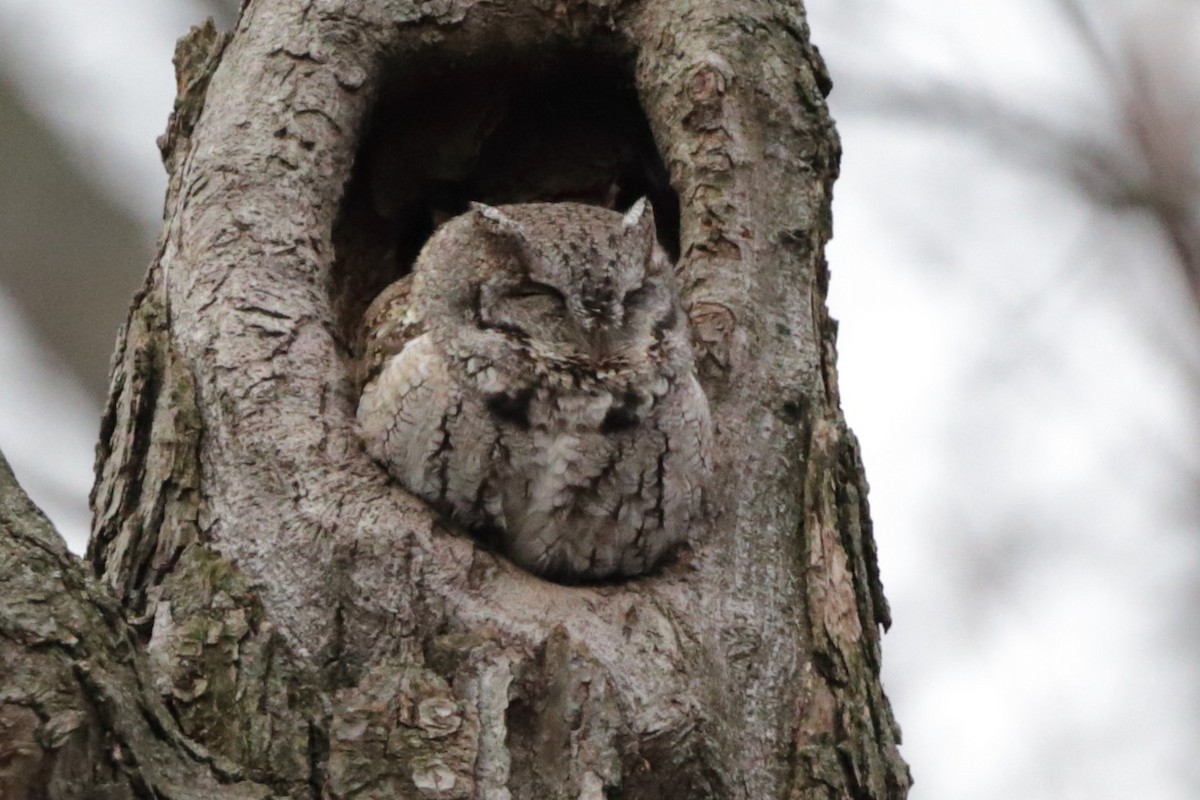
column 534, row 376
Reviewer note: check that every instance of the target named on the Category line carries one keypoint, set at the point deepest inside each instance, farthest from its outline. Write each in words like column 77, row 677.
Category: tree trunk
column 311, row 625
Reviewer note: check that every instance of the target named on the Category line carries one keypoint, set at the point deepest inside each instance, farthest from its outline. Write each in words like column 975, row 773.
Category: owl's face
column 588, row 284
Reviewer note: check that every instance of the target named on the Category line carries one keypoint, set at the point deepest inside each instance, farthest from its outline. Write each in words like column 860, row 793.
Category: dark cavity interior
column 501, row 130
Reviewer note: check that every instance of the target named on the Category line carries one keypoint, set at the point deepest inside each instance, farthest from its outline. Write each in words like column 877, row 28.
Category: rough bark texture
column 79, row 717
column 311, row 623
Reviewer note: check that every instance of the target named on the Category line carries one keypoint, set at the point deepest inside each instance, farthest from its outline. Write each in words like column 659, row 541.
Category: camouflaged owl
column 533, row 376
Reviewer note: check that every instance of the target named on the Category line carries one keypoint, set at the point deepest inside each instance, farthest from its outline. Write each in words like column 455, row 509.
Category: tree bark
column 311, row 624
column 79, row 717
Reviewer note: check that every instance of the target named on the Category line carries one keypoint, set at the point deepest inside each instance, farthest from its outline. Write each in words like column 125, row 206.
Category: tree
column 295, row 625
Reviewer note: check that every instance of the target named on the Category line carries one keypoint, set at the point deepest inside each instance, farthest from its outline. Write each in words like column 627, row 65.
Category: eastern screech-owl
column 534, row 376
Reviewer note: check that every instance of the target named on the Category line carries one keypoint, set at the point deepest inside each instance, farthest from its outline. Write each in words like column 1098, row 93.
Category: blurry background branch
column 1135, row 153
column 1036, row 163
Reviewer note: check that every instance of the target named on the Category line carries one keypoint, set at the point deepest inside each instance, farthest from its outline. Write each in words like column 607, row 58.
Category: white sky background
column 1030, row 450
column 99, row 73
column 1028, row 446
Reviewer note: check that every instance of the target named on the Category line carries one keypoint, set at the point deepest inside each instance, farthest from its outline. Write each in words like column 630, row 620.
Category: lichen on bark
column 79, row 717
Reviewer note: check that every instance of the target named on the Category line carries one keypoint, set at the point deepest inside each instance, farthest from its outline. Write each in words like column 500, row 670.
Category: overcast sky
column 1029, row 448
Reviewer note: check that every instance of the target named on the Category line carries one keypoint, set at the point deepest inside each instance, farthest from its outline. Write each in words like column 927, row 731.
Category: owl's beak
column 600, row 325
column 602, row 317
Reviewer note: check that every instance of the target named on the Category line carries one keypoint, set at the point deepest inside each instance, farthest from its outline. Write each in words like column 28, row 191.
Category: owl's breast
column 580, row 411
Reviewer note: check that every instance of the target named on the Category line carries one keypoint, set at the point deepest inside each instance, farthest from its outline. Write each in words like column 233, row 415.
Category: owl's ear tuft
column 503, row 229
column 494, row 220
column 640, row 216
column 637, row 228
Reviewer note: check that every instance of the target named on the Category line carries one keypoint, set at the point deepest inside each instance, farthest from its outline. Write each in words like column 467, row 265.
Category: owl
column 533, row 378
